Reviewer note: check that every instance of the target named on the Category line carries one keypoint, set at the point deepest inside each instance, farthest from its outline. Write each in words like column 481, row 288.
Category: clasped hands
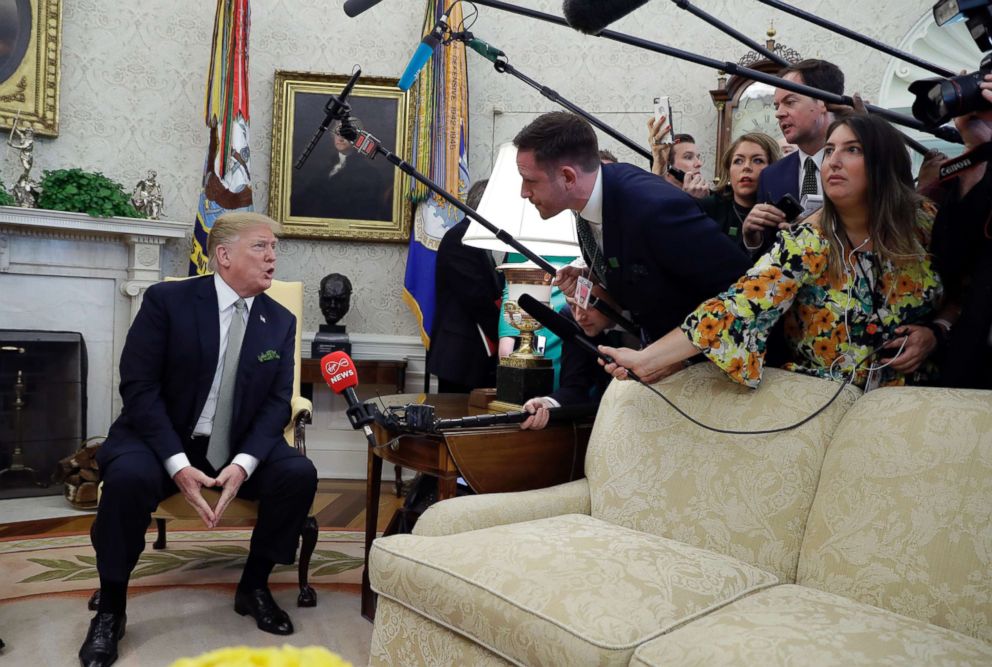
column 191, row 481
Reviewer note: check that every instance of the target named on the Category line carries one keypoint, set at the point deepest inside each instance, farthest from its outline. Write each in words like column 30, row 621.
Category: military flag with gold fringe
column 227, row 173
column 440, row 150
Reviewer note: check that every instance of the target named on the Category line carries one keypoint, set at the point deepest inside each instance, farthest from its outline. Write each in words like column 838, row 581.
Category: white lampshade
column 503, row 206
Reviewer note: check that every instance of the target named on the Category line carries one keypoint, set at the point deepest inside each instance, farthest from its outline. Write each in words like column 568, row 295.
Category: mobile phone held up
column 677, row 174
column 790, row 207
column 663, row 107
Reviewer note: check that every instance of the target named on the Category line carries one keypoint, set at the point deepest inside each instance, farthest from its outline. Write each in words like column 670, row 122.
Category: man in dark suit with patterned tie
column 804, row 122
column 648, row 244
column 206, row 381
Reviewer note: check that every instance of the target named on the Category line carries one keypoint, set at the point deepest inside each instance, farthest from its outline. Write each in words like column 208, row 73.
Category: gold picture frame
column 333, row 198
column 30, row 55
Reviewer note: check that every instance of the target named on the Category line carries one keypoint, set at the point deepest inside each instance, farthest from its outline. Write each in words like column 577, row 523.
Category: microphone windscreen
column 592, row 16
column 339, row 371
column 420, row 57
column 355, row 7
column 551, row 320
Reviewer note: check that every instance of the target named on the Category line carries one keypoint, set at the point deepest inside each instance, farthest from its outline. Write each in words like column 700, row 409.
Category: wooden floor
column 345, row 509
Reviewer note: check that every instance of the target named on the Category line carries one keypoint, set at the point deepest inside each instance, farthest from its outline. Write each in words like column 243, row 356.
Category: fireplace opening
column 42, row 408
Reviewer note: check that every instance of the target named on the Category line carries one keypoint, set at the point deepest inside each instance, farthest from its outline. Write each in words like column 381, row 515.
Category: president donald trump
column 206, row 381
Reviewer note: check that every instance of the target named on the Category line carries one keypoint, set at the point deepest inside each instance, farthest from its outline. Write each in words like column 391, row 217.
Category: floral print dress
column 828, row 323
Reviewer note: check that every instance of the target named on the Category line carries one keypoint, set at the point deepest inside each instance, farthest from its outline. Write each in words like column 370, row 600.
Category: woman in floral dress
column 853, row 278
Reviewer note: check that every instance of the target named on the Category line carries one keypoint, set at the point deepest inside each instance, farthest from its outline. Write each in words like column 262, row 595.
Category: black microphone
column 592, row 16
column 355, row 7
column 564, row 412
column 336, row 109
column 564, row 329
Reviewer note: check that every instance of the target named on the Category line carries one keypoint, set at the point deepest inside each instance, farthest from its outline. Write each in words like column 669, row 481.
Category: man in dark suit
column 466, row 311
column 648, row 244
column 804, row 122
column 206, row 381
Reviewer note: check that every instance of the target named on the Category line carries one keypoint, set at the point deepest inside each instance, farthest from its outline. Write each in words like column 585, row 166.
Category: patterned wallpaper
column 133, row 78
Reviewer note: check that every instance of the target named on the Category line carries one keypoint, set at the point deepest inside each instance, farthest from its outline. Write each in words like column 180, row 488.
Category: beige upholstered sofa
column 861, row 537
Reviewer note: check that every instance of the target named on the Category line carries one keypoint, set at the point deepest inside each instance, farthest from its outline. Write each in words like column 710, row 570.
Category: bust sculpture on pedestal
column 335, row 299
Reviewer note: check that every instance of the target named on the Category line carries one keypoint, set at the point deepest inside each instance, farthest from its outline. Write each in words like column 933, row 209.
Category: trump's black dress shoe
column 99, row 649
column 258, row 603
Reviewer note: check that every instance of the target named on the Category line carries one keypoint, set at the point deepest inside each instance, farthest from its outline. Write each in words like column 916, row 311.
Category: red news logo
column 333, row 366
column 342, row 376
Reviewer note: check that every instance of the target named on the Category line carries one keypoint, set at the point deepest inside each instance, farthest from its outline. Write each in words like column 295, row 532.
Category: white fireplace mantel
column 73, row 272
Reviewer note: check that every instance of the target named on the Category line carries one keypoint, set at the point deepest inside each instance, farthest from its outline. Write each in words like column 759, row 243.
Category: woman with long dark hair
column 852, row 279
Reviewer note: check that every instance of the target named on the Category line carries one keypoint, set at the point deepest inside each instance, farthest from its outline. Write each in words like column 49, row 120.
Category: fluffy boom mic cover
column 592, row 16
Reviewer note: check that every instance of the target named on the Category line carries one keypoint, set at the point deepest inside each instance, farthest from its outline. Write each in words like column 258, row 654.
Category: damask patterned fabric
column 569, row 590
column 458, row 515
column 793, row 625
column 402, row 637
column 825, row 320
column 903, row 516
column 744, row 496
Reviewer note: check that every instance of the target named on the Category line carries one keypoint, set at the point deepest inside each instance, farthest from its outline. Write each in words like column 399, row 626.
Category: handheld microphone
column 423, row 53
column 336, row 109
column 592, row 16
column 355, row 7
column 564, row 329
column 340, row 375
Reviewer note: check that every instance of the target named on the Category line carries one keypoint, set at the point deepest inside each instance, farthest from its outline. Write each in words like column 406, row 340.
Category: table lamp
column 525, row 373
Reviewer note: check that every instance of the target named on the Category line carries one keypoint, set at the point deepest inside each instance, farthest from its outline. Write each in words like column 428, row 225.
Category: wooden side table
column 491, row 460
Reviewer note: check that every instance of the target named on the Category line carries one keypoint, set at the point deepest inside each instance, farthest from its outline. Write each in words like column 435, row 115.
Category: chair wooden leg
column 160, row 541
column 308, row 596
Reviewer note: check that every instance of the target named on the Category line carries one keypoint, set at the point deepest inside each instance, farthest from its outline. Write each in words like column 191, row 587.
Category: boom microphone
column 592, row 16
column 340, row 375
column 355, row 7
column 423, row 53
column 564, row 329
column 561, row 413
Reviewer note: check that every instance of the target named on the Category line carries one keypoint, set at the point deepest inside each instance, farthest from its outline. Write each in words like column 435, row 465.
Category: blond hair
column 772, row 151
column 227, row 229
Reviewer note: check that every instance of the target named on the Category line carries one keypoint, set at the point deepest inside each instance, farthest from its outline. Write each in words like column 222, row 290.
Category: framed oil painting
column 30, row 51
column 339, row 194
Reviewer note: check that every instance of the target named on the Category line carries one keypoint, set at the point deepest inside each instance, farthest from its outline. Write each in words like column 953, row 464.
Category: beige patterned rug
column 44, row 565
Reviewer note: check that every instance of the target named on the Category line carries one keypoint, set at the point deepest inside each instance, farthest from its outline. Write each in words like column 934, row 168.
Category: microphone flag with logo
column 226, row 175
column 440, row 150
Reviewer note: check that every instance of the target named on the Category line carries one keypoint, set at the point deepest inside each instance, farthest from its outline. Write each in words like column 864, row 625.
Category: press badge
column 583, row 292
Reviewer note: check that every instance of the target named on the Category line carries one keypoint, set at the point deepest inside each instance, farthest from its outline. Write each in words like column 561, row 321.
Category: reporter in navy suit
column 177, row 398
column 652, row 248
column 804, row 122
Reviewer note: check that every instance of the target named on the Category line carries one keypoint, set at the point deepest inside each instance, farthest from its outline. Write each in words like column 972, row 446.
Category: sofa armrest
column 459, row 515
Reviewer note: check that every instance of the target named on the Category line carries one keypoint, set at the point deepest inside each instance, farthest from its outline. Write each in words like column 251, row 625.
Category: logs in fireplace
column 42, row 407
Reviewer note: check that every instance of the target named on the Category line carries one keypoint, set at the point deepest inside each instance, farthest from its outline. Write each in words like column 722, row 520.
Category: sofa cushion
column 568, row 590
column 748, row 497
column 903, row 516
column 794, row 625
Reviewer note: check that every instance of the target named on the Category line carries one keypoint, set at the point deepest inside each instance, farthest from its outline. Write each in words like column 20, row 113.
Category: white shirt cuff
column 246, row 461
column 550, row 402
column 176, row 462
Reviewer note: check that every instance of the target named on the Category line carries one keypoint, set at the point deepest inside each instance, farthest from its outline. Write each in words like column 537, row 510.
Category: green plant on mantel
column 5, row 198
column 85, row 192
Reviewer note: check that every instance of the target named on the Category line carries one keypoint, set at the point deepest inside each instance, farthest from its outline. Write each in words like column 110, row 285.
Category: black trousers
column 135, row 482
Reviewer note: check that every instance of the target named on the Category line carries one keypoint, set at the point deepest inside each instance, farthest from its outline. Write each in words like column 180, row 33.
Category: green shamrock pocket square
column 268, row 355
